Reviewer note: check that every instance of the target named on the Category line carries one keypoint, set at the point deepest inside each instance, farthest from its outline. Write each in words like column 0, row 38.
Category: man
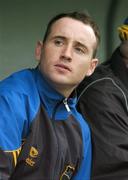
column 37, row 106
column 104, row 101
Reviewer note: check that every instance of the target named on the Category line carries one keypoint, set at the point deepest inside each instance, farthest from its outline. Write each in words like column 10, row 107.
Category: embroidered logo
column 33, row 153
column 67, row 174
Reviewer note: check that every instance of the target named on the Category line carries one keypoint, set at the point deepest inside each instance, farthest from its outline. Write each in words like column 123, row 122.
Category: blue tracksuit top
column 20, row 97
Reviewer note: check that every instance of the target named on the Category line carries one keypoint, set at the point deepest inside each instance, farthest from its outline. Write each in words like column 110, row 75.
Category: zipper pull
column 66, row 105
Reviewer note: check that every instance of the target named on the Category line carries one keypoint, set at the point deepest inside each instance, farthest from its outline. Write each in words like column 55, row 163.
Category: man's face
column 66, row 56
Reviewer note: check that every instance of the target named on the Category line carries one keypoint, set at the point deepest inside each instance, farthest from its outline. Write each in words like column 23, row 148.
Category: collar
column 54, row 103
column 118, row 66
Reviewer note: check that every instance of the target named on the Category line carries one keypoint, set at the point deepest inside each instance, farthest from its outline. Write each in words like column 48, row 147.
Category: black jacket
column 104, row 101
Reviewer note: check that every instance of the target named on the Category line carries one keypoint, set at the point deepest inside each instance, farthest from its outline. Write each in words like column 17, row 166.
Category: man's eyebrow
column 76, row 42
column 59, row 37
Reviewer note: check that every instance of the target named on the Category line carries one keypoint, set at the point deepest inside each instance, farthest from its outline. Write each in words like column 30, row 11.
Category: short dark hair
column 83, row 17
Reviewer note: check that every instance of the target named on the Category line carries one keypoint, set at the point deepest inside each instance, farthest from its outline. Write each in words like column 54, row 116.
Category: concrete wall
column 23, row 22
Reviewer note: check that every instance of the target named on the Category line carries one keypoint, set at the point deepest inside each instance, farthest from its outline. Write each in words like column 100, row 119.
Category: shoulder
column 18, row 81
column 21, row 83
column 103, row 79
column 19, row 94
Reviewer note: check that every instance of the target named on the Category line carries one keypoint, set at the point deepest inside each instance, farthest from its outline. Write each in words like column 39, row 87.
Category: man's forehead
column 68, row 22
column 74, row 29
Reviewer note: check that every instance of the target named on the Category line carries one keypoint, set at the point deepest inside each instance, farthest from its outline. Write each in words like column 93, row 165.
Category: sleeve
column 7, row 163
column 85, row 169
column 105, row 107
column 4, row 166
column 11, row 126
column 84, row 172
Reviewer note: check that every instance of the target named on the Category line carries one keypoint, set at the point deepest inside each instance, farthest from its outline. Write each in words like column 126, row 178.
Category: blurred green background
column 23, row 22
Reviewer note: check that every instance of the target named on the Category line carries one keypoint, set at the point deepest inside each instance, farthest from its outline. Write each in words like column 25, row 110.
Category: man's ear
column 93, row 64
column 38, row 50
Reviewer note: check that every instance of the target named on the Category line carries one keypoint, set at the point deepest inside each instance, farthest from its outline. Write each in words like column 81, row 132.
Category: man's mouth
column 63, row 67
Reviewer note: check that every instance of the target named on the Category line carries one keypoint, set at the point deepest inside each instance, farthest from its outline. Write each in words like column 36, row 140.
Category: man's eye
column 58, row 42
column 80, row 50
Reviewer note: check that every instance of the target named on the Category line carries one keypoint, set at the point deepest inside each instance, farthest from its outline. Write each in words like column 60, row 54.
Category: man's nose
column 67, row 53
